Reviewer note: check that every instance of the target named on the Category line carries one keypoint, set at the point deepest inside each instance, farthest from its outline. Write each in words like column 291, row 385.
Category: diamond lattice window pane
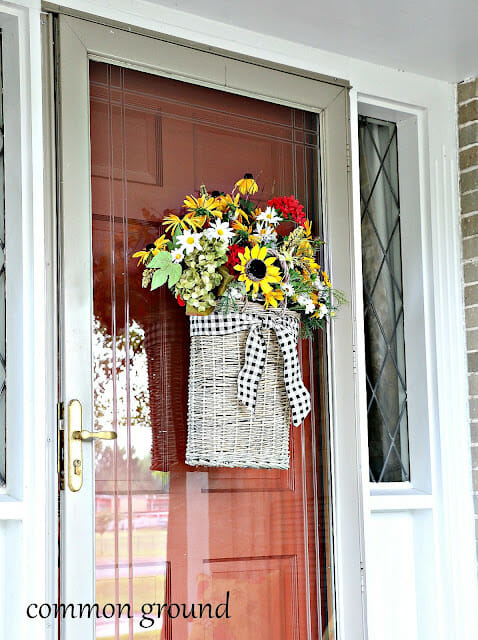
column 383, row 302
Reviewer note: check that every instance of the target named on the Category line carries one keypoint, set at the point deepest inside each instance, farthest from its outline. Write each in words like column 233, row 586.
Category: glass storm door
column 165, row 550
column 166, row 532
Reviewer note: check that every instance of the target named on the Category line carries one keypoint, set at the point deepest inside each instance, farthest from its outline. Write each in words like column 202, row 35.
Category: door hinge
column 354, row 359
column 61, row 444
column 348, row 156
column 362, row 577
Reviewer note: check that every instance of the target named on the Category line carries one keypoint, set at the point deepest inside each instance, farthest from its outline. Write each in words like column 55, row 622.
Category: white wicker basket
column 222, row 432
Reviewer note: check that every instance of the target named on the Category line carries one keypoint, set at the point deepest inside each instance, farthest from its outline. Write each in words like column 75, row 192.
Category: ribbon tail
column 251, row 373
column 299, row 397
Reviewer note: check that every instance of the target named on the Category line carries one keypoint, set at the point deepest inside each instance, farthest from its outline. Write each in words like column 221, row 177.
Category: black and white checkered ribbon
column 286, row 329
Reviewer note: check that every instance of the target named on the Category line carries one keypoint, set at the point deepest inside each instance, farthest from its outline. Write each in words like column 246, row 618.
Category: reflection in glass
column 166, row 532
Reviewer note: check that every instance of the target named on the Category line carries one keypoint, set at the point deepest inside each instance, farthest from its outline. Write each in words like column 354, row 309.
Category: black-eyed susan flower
column 227, row 202
column 309, row 265
column 272, row 298
column 239, row 226
column 247, row 186
column 204, row 204
column 151, row 250
column 256, row 270
column 194, row 220
column 172, row 222
column 305, row 249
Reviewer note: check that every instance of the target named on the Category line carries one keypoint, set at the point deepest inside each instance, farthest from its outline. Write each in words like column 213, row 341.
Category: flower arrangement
column 226, row 250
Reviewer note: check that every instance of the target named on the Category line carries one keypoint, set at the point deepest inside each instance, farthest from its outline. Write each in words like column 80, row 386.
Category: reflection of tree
column 110, row 360
column 121, row 386
column 140, row 347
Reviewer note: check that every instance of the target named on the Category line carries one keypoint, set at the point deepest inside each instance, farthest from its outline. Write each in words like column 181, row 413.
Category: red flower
column 233, row 259
column 180, row 301
column 290, row 208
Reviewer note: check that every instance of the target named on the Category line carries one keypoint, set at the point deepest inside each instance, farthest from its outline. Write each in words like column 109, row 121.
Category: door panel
column 166, row 532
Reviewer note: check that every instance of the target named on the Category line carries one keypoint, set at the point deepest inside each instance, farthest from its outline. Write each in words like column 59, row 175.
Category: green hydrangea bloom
column 200, row 278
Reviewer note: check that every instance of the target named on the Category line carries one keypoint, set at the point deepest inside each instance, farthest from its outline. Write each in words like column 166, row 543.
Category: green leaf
column 161, row 260
column 177, row 232
column 159, row 278
column 175, row 272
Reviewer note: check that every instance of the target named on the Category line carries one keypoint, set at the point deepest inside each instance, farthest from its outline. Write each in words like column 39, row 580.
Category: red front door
column 167, row 533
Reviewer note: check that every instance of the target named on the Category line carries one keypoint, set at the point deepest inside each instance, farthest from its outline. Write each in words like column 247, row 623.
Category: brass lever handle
column 88, row 435
column 76, row 437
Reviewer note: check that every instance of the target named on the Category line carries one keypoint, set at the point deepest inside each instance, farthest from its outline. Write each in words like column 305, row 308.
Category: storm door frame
column 78, row 41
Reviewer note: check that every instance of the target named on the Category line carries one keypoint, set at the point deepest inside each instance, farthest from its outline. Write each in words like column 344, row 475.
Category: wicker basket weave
column 222, row 432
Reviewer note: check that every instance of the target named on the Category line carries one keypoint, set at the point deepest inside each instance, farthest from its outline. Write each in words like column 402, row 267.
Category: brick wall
column 468, row 142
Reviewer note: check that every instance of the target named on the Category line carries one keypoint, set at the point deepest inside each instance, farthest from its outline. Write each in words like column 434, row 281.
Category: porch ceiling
column 436, row 38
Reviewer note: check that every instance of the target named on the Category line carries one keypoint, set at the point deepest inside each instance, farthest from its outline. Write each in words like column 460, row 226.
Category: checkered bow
column 286, row 329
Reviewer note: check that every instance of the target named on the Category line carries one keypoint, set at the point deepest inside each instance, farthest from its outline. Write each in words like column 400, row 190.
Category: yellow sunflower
column 257, row 271
column 273, row 297
column 247, row 185
column 151, row 249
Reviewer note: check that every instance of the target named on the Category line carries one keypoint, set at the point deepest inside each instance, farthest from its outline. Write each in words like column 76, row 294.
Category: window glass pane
column 2, row 294
column 383, row 302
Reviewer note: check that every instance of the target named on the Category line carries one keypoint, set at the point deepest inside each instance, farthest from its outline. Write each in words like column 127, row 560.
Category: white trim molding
column 439, row 495
column 27, row 503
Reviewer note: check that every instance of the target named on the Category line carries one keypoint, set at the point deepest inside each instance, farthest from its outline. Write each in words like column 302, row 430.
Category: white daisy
column 288, row 289
column 265, row 232
column 221, row 231
column 310, row 307
column 322, row 310
column 177, row 255
column 236, row 293
column 303, row 299
column 189, row 241
column 269, row 216
column 318, row 284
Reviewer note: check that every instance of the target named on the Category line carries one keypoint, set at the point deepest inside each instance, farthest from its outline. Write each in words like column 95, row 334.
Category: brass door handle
column 76, row 436
column 99, row 435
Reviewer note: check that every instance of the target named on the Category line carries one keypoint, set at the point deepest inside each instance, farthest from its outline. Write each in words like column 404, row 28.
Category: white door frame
column 80, row 41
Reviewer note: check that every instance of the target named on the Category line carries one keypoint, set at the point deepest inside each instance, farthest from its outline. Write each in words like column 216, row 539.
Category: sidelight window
column 383, row 302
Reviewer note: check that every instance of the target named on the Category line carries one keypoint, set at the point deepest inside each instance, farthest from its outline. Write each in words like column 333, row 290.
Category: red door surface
column 167, row 532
